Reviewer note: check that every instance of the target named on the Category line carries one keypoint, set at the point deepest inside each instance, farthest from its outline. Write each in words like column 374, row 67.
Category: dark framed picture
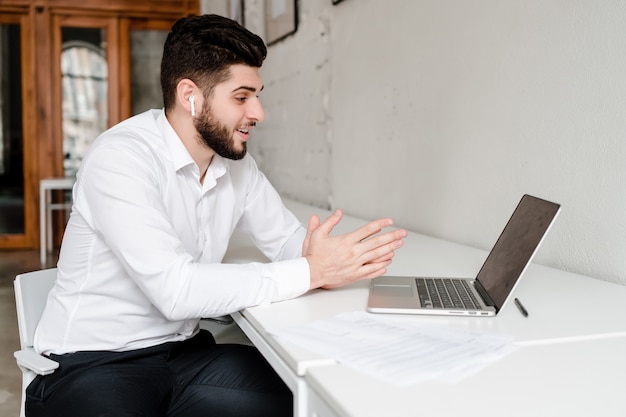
column 281, row 19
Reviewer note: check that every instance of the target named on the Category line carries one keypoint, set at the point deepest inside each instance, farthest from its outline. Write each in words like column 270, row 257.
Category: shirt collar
column 217, row 168
column 179, row 154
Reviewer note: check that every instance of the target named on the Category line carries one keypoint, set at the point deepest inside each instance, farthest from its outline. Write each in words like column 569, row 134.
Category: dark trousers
column 196, row 377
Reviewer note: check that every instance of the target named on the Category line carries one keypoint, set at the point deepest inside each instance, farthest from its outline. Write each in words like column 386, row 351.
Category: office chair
column 31, row 292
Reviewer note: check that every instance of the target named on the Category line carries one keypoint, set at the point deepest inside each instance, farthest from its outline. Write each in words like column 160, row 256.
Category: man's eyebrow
column 248, row 88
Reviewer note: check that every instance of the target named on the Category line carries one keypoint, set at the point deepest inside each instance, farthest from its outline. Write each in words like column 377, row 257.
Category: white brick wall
column 443, row 113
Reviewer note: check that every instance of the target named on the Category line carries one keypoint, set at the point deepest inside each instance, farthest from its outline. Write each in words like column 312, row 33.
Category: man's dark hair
column 202, row 49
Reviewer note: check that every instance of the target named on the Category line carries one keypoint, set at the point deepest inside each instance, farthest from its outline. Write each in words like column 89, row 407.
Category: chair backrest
column 31, row 293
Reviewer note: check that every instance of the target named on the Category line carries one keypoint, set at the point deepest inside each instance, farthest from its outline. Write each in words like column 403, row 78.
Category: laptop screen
column 516, row 246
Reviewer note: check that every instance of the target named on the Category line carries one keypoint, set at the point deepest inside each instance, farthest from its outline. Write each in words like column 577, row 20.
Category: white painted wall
column 443, row 113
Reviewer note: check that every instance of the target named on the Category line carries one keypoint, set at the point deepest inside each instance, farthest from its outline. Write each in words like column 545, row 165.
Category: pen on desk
column 521, row 308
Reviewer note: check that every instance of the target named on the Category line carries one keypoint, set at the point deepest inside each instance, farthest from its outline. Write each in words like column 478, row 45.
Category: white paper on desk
column 401, row 352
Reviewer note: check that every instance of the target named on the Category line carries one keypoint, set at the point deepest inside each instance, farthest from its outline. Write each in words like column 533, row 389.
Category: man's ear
column 187, row 93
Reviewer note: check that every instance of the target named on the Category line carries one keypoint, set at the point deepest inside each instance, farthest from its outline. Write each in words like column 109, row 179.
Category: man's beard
column 218, row 137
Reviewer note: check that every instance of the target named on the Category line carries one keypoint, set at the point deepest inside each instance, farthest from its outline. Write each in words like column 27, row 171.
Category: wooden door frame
column 21, row 17
column 40, row 22
column 83, row 20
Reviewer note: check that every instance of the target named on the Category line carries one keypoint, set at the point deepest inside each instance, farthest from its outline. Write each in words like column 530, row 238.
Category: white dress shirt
column 140, row 262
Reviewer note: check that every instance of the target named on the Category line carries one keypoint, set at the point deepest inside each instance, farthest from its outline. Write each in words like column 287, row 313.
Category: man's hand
column 363, row 253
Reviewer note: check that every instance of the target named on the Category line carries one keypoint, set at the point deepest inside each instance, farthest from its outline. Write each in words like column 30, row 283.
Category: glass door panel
column 11, row 132
column 146, row 50
column 84, row 79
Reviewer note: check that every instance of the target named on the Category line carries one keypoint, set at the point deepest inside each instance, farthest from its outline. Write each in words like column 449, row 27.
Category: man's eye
column 241, row 99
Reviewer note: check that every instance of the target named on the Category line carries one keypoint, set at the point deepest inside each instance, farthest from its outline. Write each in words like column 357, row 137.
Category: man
column 155, row 203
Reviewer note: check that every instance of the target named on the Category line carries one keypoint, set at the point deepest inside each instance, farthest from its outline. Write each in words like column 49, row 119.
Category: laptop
column 487, row 293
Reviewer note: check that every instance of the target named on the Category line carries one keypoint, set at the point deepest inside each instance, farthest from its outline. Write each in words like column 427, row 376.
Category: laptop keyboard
column 446, row 293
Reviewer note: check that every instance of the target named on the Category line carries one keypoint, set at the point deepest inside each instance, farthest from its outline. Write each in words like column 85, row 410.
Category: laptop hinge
column 483, row 293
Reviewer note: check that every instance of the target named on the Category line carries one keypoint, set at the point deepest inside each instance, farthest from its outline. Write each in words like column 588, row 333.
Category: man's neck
column 188, row 135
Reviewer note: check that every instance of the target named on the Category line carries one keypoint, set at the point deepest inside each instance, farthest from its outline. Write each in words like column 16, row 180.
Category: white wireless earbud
column 193, row 105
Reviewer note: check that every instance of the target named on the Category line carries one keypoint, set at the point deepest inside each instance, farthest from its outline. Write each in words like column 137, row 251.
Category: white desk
column 583, row 378
column 46, row 206
column 565, row 310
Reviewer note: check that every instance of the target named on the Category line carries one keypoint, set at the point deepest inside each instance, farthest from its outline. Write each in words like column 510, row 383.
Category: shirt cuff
column 290, row 278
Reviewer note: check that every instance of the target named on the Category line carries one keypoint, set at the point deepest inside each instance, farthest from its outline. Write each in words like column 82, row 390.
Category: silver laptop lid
column 515, row 248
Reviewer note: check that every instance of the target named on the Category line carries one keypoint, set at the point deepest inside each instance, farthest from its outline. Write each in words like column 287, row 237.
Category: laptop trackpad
column 393, row 291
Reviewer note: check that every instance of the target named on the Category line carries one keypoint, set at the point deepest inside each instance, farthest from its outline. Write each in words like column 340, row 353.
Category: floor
column 11, row 264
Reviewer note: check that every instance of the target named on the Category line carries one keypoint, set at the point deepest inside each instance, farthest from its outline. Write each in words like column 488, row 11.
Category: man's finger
column 370, row 229
column 331, row 221
column 383, row 239
column 381, row 252
column 314, row 223
column 384, row 258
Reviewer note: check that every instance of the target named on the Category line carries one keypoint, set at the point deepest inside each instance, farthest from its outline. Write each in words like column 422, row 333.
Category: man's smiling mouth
column 246, row 130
